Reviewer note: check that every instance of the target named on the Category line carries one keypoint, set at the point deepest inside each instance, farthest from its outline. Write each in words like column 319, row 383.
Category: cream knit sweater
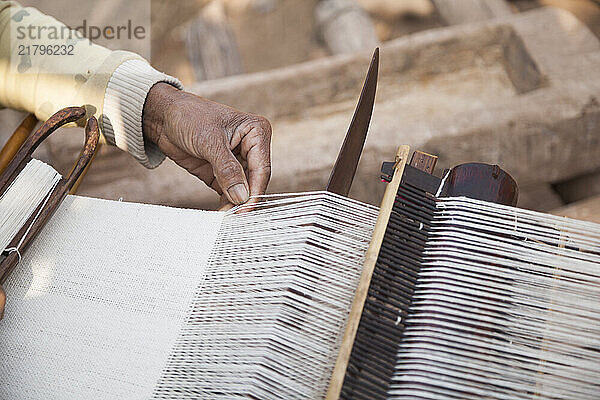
column 112, row 85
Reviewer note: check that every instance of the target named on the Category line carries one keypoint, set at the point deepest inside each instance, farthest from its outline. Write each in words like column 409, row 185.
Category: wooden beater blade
column 344, row 169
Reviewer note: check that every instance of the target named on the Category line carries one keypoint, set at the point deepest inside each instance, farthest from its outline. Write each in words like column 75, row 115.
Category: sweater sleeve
column 124, row 102
column 112, row 85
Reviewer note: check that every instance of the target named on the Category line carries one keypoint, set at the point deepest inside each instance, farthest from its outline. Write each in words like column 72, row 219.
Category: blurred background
column 509, row 82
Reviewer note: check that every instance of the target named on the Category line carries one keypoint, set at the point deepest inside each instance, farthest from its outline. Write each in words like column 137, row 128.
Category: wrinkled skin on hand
column 227, row 149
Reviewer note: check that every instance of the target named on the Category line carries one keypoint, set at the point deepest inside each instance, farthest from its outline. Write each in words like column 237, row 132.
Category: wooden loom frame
column 42, row 214
column 339, row 371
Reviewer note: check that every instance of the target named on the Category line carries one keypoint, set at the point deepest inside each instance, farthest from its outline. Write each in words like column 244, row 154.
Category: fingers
column 256, row 150
column 195, row 166
column 224, row 166
column 197, row 130
column 2, row 302
column 230, row 175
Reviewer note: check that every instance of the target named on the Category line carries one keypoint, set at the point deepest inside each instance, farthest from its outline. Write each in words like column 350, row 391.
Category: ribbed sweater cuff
column 124, row 100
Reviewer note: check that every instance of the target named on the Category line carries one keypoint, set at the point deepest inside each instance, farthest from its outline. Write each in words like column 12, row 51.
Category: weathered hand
column 228, row 149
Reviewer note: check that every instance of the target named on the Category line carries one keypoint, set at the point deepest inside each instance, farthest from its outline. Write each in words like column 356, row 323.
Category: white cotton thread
column 498, row 312
column 53, row 184
column 285, row 269
column 37, row 215
column 260, row 313
column 439, row 191
column 29, row 189
column 12, row 250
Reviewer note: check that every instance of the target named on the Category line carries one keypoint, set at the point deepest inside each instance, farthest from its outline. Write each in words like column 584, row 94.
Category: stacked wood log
column 344, row 26
column 211, row 45
column 455, row 12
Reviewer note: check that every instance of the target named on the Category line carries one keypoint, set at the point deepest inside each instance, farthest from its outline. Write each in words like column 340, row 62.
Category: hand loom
column 446, row 291
column 42, row 203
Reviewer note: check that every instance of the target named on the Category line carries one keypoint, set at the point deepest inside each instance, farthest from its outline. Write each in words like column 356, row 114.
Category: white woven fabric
column 97, row 302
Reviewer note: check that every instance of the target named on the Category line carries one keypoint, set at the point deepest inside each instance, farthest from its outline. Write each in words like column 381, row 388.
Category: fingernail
column 238, row 193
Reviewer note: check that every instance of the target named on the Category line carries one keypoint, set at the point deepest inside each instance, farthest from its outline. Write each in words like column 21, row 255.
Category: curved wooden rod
column 39, row 218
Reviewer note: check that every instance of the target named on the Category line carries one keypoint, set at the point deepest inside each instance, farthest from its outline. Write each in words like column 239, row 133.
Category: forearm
column 121, row 121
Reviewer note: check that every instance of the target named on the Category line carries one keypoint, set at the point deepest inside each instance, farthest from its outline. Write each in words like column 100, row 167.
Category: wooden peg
column 423, row 161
